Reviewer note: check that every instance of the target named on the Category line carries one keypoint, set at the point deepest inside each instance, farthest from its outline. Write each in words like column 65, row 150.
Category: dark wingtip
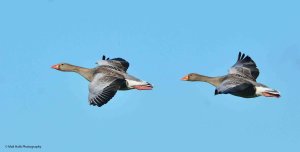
column 239, row 56
column 104, row 58
column 243, row 55
column 216, row 92
column 247, row 58
column 96, row 104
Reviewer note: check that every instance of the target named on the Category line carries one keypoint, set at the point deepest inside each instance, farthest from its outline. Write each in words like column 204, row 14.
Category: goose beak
column 56, row 66
column 185, row 78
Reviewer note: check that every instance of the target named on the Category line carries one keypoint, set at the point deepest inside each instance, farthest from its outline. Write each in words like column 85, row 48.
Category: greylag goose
column 240, row 81
column 106, row 79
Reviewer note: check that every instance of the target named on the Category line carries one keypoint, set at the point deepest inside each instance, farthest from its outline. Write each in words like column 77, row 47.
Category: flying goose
column 106, row 79
column 240, row 81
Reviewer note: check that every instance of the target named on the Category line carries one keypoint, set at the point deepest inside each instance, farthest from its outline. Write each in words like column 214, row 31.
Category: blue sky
column 163, row 41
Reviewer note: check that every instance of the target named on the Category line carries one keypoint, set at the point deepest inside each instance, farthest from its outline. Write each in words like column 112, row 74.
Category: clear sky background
column 163, row 41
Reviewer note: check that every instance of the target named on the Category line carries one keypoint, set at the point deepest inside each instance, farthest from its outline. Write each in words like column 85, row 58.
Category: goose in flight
column 240, row 81
column 106, row 79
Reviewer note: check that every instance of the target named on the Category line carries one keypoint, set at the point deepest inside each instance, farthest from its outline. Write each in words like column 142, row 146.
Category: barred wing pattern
column 103, row 88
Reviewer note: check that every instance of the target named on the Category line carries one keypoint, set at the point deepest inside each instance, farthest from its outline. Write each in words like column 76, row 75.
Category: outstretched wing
column 103, row 88
column 115, row 63
column 245, row 67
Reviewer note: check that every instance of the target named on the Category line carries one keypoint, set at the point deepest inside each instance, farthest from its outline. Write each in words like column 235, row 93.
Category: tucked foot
column 143, row 87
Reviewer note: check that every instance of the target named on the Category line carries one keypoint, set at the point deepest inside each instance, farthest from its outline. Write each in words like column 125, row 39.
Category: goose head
column 191, row 77
column 63, row 67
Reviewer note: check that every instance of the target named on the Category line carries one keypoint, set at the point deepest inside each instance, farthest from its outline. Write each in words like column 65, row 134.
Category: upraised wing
column 115, row 63
column 103, row 88
column 245, row 67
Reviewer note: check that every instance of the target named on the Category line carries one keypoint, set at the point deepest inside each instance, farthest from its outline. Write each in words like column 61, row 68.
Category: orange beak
column 185, row 78
column 56, row 66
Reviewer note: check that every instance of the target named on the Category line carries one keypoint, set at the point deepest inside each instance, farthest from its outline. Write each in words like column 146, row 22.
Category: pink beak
column 56, row 66
column 185, row 78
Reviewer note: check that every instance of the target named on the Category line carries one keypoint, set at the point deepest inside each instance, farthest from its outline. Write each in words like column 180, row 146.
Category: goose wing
column 245, row 67
column 115, row 63
column 232, row 85
column 102, row 88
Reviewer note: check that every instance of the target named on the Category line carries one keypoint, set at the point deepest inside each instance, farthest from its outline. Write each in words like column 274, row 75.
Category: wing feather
column 103, row 88
column 245, row 67
column 232, row 86
column 115, row 63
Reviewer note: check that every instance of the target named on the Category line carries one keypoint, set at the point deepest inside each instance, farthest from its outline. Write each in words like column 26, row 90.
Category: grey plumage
column 240, row 80
column 106, row 79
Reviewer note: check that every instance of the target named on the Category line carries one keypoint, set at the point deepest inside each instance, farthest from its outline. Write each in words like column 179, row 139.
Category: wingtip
column 216, row 92
column 243, row 56
column 239, row 56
